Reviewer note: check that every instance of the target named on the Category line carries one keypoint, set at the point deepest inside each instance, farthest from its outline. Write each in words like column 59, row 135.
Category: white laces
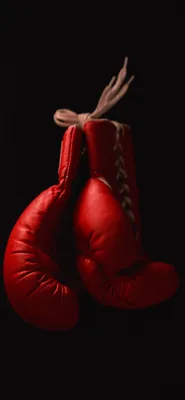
column 112, row 93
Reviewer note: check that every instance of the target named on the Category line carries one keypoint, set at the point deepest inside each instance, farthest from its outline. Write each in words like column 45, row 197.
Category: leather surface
column 32, row 277
column 113, row 266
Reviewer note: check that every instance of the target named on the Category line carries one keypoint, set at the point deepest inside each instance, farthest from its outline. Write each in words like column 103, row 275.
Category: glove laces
column 112, row 93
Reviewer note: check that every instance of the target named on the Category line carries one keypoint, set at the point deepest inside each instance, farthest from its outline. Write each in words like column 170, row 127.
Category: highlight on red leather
column 32, row 278
column 111, row 260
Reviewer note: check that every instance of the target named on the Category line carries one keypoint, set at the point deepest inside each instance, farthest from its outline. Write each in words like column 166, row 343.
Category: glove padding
column 32, row 277
column 111, row 261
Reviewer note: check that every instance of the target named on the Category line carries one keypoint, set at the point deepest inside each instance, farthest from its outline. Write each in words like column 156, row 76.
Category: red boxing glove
column 32, row 277
column 111, row 260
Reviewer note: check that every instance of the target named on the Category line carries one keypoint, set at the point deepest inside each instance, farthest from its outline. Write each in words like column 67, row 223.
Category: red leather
column 103, row 230
column 32, row 277
column 111, row 261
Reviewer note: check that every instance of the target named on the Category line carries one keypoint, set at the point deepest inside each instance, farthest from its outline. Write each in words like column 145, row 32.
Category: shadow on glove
column 33, row 274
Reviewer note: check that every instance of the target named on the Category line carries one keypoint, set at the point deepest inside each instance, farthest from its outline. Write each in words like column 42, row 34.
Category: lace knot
column 112, row 93
column 83, row 118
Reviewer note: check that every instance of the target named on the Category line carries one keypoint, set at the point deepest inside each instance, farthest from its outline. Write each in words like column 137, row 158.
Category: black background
column 63, row 58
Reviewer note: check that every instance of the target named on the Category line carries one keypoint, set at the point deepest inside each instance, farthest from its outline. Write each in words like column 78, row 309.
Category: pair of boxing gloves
column 106, row 227
column 98, row 234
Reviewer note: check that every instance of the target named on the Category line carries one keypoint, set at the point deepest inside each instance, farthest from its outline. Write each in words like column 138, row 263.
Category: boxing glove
column 111, row 261
column 32, row 277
